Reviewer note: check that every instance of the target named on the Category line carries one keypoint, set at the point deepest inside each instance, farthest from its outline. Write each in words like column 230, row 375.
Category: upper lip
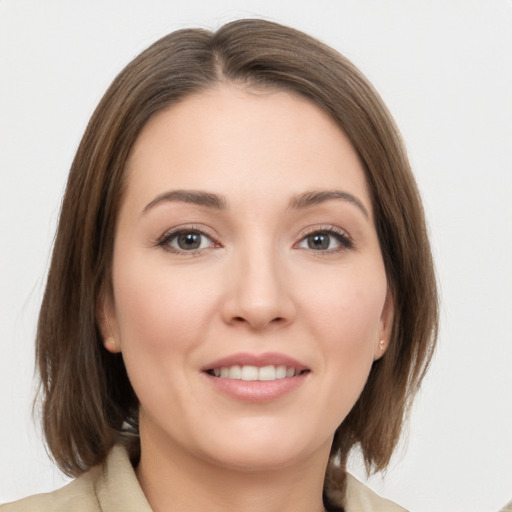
column 260, row 360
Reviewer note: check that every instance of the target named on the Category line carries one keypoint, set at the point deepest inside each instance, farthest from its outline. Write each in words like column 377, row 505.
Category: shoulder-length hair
column 88, row 402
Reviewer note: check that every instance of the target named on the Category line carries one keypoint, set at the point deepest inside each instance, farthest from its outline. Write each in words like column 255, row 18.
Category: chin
column 248, row 461
column 263, row 453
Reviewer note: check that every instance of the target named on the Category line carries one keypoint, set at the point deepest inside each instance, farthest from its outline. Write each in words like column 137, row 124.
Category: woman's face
column 249, row 291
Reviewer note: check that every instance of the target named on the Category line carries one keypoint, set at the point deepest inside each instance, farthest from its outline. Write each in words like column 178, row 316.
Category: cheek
column 157, row 309
column 346, row 319
column 347, row 305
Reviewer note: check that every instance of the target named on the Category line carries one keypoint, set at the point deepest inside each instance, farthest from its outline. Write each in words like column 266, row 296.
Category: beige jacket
column 114, row 488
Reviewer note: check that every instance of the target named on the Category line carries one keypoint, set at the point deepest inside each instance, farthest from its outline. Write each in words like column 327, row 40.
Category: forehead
column 243, row 142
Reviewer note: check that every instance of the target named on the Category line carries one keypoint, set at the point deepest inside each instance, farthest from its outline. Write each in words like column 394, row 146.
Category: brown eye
column 319, row 241
column 325, row 241
column 188, row 241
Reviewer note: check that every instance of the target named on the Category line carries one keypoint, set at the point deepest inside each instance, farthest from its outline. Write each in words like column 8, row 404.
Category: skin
column 256, row 285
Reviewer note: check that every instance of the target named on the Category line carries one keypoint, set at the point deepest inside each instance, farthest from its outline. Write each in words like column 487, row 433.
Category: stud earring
column 381, row 344
column 111, row 344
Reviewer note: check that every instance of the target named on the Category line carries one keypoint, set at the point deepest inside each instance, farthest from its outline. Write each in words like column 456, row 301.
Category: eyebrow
column 189, row 196
column 217, row 202
column 314, row 198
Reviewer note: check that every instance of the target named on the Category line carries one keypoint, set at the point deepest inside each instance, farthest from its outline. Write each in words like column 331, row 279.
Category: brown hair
column 88, row 402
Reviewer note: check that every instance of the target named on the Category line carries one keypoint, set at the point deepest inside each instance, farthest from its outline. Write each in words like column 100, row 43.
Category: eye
column 186, row 241
column 325, row 241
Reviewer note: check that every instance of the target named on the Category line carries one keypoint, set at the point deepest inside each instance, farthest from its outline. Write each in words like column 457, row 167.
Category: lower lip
column 256, row 390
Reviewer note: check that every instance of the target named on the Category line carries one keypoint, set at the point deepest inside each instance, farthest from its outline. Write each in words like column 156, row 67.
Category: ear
column 107, row 322
column 385, row 326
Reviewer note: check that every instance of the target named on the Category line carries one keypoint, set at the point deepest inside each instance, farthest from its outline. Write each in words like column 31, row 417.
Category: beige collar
column 117, row 488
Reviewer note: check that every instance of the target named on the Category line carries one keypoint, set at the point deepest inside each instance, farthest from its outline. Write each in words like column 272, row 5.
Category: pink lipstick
column 256, row 377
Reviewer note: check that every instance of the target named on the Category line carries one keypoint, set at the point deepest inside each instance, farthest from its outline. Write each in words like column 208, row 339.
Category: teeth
column 251, row 373
column 267, row 373
column 281, row 372
column 235, row 372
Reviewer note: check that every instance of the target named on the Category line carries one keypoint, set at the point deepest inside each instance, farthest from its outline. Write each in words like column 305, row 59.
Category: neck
column 174, row 480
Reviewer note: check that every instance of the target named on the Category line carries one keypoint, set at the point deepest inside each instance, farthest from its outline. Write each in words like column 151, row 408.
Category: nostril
column 241, row 319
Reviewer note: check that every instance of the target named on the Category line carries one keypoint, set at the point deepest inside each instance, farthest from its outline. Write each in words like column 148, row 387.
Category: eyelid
column 163, row 240
column 344, row 238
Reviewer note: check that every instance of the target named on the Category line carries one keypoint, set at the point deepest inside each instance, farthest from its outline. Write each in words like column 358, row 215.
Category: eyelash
column 165, row 240
column 338, row 234
column 345, row 242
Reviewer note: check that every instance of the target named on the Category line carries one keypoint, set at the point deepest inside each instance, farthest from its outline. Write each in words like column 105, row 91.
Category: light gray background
column 445, row 70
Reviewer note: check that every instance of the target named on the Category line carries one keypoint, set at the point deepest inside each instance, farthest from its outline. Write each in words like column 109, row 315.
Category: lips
column 256, row 378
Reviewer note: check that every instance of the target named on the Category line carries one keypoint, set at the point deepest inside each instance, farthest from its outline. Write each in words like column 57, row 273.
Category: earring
column 111, row 344
column 381, row 344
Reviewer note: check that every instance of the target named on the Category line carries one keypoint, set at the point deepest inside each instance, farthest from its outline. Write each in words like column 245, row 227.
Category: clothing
column 114, row 488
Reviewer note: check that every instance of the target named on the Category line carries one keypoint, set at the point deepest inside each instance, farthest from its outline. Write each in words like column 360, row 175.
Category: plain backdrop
column 444, row 67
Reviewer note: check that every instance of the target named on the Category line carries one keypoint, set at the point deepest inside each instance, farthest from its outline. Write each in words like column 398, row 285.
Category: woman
column 241, row 289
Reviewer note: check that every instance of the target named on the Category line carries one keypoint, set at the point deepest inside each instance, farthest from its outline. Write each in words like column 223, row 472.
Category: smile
column 255, row 373
column 256, row 378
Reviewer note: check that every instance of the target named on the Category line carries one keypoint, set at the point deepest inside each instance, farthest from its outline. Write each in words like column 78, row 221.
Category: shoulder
column 360, row 498
column 77, row 496
column 110, row 487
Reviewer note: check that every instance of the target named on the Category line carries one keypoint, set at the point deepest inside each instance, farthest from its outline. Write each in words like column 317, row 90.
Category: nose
column 259, row 292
